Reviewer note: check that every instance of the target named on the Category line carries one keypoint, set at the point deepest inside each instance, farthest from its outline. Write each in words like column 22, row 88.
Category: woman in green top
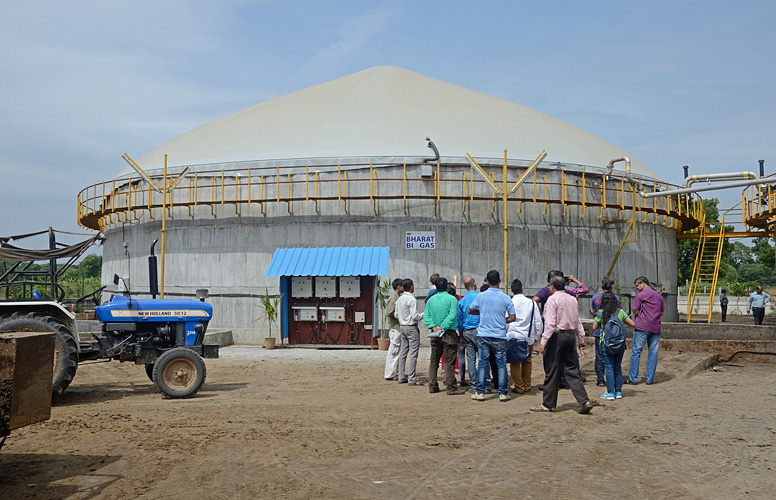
column 612, row 363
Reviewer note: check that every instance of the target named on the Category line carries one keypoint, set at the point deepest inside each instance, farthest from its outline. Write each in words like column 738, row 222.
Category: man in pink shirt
column 561, row 323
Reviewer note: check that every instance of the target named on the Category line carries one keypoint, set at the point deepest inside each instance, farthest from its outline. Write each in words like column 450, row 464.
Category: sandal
column 541, row 409
column 585, row 408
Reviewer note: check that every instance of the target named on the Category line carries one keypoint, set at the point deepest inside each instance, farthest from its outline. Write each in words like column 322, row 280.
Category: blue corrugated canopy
column 330, row 261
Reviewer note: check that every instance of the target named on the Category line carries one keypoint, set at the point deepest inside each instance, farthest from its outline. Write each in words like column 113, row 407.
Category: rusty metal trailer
column 26, row 370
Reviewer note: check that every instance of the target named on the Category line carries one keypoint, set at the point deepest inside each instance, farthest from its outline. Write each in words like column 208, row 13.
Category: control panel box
column 333, row 313
column 350, row 287
column 359, row 317
column 325, row 286
column 301, row 287
column 305, row 312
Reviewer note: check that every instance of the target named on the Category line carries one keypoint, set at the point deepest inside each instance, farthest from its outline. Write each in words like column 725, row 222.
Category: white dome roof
column 382, row 115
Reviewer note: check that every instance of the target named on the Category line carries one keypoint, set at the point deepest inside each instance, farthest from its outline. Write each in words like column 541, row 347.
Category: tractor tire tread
column 65, row 345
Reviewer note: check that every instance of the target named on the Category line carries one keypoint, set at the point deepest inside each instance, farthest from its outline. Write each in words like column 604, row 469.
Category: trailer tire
column 65, row 347
column 179, row 373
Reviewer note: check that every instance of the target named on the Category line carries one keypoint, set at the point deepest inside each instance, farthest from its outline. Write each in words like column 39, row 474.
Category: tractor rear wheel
column 65, row 347
column 179, row 373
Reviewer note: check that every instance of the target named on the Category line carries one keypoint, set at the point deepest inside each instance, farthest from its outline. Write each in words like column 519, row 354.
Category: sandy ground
column 296, row 423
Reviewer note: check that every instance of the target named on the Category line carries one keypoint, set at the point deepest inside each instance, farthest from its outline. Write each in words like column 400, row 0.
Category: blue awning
column 330, row 261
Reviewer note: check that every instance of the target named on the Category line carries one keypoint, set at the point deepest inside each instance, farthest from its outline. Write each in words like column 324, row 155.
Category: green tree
column 763, row 252
column 739, row 254
column 91, row 266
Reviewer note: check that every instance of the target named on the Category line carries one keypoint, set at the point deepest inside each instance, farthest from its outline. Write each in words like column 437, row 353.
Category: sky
column 81, row 82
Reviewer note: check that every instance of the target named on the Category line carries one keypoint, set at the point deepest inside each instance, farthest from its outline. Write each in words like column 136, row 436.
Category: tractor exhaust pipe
column 153, row 277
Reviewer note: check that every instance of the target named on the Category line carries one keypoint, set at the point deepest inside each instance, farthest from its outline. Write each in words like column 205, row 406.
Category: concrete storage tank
column 363, row 160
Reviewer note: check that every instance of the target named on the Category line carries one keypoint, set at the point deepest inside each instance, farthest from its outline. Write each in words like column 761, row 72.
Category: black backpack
column 612, row 337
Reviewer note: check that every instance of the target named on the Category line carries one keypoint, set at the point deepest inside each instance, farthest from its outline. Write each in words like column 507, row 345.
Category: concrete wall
column 229, row 255
column 736, row 306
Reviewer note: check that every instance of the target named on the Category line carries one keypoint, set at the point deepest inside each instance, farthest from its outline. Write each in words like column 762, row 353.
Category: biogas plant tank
column 374, row 159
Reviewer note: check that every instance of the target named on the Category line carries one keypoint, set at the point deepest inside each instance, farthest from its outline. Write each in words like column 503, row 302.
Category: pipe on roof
column 433, row 147
column 709, row 187
column 633, row 181
column 730, row 176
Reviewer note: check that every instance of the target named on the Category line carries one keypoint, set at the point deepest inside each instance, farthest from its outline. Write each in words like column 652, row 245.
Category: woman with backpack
column 610, row 319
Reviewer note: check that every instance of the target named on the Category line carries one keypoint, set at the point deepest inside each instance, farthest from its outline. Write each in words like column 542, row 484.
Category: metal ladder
column 706, row 270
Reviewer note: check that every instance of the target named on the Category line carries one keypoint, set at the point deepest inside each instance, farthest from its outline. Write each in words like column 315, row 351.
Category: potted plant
column 270, row 312
column 383, row 293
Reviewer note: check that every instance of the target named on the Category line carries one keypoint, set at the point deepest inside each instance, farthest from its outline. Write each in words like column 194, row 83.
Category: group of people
column 755, row 305
column 476, row 329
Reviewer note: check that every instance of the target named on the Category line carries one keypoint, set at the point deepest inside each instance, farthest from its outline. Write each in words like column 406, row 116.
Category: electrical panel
column 325, row 286
column 305, row 312
column 333, row 313
column 359, row 316
column 350, row 287
column 301, row 286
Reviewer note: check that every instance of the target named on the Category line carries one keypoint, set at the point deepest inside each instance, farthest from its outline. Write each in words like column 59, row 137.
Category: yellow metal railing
column 715, row 273
column 759, row 206
column 703, row 285
column 113, row 202
column 696, row 270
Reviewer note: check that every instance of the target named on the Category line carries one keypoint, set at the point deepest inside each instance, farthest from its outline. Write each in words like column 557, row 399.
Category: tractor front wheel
column 179, row 373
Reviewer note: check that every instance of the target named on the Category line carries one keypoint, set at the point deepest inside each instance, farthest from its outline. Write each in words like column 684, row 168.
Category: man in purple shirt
column 544, row 294
column 648, row 308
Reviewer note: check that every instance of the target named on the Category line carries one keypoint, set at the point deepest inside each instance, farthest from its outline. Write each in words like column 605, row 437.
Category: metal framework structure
column 757, row 216
column 107, row 204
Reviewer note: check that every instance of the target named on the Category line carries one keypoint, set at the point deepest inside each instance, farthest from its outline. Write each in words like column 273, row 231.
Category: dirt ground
column 295, row 423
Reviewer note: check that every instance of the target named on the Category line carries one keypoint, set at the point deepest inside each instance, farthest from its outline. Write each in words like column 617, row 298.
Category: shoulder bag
column 517, row 350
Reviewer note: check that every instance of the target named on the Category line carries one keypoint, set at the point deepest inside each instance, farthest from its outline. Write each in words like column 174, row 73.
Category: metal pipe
column 433, row 147
column 686, row 169
column 709, row 187
column 762, row 168
column 610, row 167
column 729, row 176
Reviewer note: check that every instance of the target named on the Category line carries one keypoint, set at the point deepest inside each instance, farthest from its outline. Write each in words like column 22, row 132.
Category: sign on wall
column 420, row 240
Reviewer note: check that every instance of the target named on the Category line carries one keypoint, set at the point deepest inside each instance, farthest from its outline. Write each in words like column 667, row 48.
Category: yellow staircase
column 704, row 276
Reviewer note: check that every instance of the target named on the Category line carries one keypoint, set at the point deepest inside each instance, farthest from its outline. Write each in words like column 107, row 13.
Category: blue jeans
column 499, row 348
column 613, row 369
column 639, row 339
column 470, row 340
column 462, row 361
column 600, row 371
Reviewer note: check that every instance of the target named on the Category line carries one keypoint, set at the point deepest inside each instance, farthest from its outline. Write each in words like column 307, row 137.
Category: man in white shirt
column 527, row 327
column 392, row 356
column 408, row 316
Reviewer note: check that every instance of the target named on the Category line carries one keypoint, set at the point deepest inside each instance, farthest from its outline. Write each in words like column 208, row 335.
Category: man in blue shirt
column 495, row 309
column 756, row 304
column 467, row 326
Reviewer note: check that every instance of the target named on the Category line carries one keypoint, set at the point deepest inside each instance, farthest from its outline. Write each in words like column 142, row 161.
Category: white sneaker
column 503, row 397
column 478, row 397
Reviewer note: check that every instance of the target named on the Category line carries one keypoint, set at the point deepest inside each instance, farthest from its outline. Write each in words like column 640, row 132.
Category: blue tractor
column 164, row 335
column 167, row 336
